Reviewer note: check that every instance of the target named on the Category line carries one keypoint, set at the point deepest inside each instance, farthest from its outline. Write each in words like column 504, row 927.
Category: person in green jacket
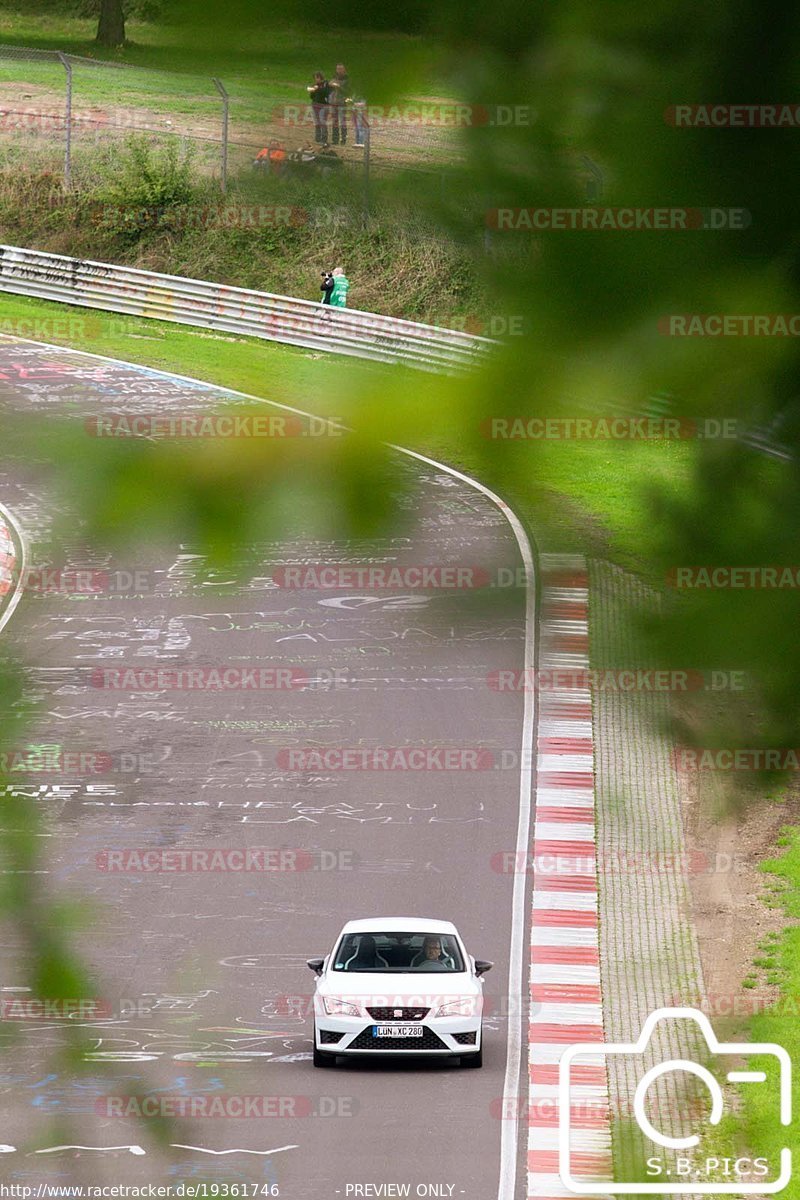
column 341, row 286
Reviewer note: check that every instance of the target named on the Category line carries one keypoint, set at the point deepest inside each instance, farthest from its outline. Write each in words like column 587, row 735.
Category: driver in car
column 430, row 953
column 432, row 948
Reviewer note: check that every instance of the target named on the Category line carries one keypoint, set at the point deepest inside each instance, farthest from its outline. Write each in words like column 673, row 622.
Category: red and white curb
column 8, row 560
column 13, row 556
column 566, row 1001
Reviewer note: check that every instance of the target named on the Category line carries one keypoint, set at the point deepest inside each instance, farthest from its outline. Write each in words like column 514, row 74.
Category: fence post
column 67, row 65
column 218, row 84
column 367, row 140
column 594, row 182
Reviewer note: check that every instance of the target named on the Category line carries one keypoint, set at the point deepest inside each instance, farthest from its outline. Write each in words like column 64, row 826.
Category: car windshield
column 398, row 952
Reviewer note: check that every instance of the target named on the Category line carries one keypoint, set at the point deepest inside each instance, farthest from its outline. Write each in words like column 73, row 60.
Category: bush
column 143, row 186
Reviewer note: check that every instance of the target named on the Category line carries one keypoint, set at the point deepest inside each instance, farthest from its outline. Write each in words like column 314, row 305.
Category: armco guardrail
column 237, row 310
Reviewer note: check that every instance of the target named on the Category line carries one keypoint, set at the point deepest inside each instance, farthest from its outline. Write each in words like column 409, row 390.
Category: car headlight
column 463, row 1006
column 336, row 1007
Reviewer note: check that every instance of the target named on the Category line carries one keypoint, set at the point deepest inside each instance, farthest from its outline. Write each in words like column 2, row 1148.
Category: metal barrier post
column 225, row 98
column 67, row 65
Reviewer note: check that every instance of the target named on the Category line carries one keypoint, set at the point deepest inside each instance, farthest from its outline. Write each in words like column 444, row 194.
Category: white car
column 399, row 986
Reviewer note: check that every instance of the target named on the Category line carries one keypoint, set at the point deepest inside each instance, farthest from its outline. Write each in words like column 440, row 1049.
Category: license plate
column 398, row 1031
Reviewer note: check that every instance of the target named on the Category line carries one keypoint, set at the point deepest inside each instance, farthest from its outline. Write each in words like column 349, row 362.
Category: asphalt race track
column 203, row 972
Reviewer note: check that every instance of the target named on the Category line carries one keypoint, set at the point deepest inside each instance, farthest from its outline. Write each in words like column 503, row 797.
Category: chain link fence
column 68, row 115
column 61, row 112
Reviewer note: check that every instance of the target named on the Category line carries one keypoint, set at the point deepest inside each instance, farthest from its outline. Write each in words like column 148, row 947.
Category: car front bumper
column 441, row 1036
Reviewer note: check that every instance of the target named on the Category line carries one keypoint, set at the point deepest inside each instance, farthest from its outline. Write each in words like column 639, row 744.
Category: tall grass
column 148, row 204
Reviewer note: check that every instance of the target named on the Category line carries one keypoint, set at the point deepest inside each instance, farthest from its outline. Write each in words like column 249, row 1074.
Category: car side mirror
column 315, row 964
column 482, row 966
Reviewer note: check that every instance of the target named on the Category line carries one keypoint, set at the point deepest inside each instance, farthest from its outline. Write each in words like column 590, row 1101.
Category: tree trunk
column 111, row 28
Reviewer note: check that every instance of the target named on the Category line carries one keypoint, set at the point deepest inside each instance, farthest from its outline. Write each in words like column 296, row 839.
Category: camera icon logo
column 683, row 1177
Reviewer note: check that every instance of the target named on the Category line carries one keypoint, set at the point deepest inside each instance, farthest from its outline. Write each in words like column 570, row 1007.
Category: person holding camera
column 326, row 287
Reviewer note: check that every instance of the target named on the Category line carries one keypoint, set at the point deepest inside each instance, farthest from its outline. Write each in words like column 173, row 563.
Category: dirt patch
column 36, row 108
column 728, row 889
column 38, row 111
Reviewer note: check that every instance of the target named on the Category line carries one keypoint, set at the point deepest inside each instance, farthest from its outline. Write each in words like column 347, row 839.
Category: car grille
column 330, row 1035
column 398, row 1014
column 466, row 1039
column 428, row 1041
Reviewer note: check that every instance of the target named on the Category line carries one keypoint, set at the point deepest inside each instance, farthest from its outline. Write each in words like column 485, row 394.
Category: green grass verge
column 577, row 496
column 279, row 372
column 781, row 1022
column 583, row 497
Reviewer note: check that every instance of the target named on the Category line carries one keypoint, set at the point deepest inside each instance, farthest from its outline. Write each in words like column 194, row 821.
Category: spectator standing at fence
column 318, row 95
column 338, row 95
column 341, row 286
